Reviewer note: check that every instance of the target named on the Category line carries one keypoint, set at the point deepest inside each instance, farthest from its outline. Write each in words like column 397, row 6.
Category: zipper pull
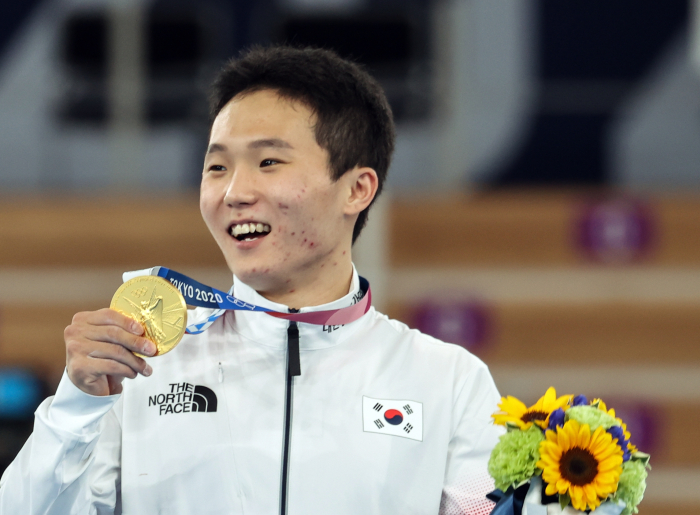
column 293, row 358
column 221, row 373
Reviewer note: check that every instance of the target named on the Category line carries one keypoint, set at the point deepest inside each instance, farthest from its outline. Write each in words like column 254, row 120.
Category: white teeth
column 249, row 228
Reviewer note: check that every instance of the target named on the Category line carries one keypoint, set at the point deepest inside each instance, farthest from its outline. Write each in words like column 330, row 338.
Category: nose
column 241, row 189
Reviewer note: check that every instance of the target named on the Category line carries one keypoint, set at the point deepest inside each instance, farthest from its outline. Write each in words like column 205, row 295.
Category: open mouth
column 249, row 231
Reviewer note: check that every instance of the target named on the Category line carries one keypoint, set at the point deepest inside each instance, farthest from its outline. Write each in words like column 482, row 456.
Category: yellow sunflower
column 632, row 448
column 601, row 405
column 585, row 466
column 514, row 412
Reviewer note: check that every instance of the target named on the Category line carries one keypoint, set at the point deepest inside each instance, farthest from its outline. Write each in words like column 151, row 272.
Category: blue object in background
column 20, row 393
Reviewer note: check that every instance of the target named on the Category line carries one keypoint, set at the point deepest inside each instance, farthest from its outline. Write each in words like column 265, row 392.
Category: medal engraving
column 158, row 306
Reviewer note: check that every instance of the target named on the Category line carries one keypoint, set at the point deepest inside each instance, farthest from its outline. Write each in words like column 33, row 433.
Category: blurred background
column 542, row 209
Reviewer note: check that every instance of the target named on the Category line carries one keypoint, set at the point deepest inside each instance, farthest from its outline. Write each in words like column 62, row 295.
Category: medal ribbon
column 201, row 295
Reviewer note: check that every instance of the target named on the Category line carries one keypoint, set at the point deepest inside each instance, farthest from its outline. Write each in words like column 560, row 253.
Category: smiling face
column 268, row 198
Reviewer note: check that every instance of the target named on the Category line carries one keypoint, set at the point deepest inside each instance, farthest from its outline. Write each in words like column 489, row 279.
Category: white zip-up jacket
column 382, row 419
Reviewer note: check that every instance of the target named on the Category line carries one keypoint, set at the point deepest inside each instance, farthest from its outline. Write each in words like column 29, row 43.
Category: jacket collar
column 272, row 332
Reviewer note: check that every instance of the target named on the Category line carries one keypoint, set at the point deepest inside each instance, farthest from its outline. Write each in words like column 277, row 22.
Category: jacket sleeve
column 71, row 462
column 467, row 480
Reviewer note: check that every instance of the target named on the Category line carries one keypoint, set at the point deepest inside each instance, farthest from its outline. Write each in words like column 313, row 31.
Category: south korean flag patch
column 393, row 417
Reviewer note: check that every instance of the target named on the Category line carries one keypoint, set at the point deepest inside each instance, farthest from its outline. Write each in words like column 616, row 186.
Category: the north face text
column 184, row 398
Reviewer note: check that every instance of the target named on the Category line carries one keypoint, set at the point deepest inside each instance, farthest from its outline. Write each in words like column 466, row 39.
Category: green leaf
column 641, row 456
column 564, row 500
column 512, row 426
column 515, row 487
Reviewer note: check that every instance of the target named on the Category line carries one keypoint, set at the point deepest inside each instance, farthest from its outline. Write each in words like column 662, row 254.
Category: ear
column 362, row 187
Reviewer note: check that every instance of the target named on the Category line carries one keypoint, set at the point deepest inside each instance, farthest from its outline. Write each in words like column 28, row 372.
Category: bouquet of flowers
column 566, row 451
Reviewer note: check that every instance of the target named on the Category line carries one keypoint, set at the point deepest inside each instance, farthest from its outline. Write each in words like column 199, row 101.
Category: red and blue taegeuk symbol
column 393, row 416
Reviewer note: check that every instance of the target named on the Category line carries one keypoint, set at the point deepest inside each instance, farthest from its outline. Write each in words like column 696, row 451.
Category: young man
column 363, row 418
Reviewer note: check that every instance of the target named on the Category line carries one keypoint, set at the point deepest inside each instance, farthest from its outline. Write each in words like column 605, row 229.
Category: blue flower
column 580, row 400
column 619, row 435
column 556, row 418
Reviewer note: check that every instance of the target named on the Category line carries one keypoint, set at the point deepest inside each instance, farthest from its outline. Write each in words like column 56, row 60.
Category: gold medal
column 158, row 306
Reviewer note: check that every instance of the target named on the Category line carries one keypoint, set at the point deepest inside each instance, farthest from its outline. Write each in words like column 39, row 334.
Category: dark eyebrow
column 273, row 142
column 216, row 147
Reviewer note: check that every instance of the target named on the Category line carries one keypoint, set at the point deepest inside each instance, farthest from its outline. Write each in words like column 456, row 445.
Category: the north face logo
column 184, row 398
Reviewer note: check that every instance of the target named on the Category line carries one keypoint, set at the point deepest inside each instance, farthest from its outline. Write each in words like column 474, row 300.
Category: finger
column 109, row 367
column 108, row 316
column 118, row 336
column 115, row 384
column 108, row 352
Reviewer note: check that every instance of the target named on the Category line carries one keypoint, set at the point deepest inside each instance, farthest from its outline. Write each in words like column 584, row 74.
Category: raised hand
column 100, row 348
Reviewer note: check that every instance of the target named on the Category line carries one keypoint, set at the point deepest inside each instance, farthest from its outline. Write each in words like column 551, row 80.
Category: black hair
column 354, row 123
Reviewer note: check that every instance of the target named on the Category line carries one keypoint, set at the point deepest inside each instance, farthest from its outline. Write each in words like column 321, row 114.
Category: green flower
column 513, row 459
column 594, row 417
column 630, row 489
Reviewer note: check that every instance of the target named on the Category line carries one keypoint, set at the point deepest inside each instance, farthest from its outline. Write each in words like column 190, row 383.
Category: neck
column 316, row 288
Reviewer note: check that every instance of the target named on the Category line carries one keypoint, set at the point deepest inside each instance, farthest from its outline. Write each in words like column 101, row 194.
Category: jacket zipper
column 293, row 369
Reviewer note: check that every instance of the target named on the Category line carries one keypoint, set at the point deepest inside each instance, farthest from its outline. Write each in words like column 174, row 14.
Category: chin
column 259, row 277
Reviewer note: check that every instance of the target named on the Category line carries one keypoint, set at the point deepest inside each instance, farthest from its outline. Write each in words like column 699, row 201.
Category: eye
column 217, row 168
column 269, row 162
